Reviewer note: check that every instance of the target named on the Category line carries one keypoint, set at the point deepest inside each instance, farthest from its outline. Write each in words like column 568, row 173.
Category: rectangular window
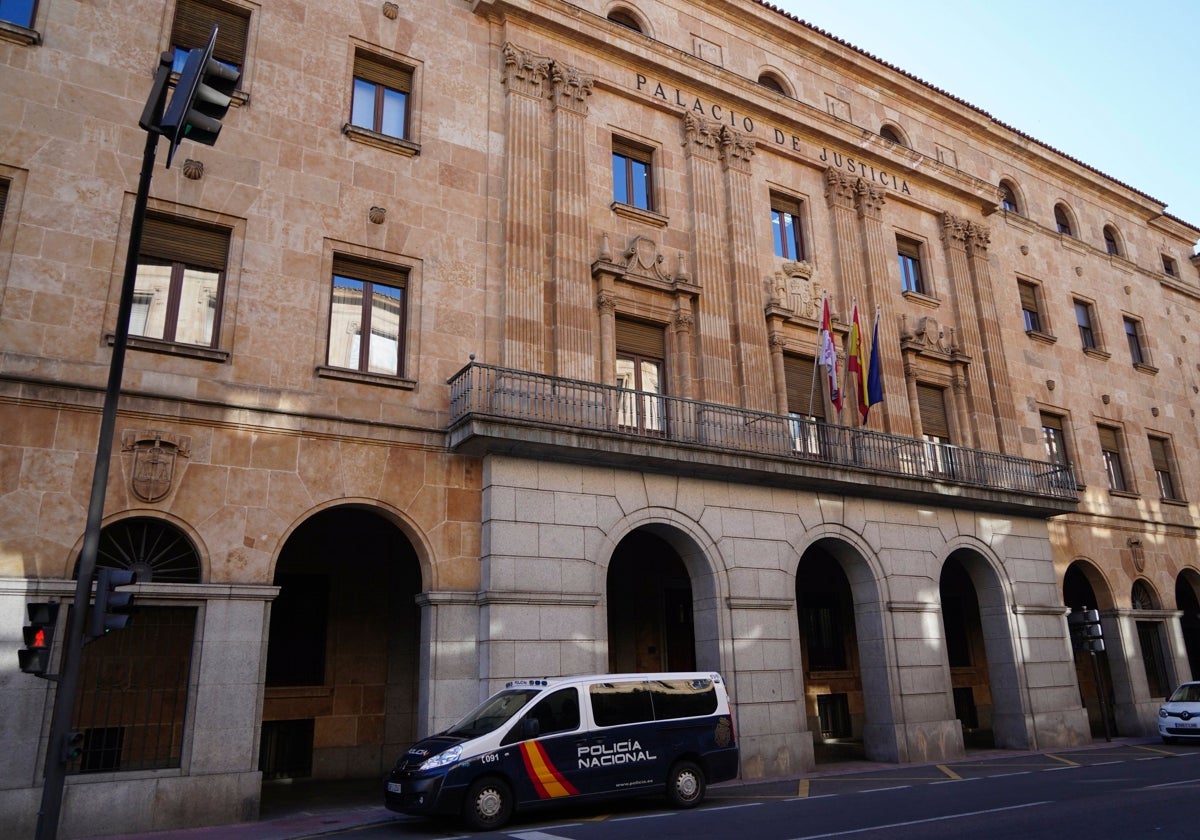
column 1133, row 335
column 641, row 352
column 193, row 24
column 380, row 98
column 3, row 198
column 806, row 403
column 632, row 174
column 909, row 253
column 935, row 428
column 1031, row 310
column 180, row 281
column 1169, row 266
column 368, row 301
column 1110, row 448
column 1055, row 439
column 785, row 228
column 1160, row 456
column 19, row 12
column 1084, row 318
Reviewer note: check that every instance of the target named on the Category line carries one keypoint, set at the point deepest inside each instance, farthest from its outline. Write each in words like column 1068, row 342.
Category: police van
column 543, row 741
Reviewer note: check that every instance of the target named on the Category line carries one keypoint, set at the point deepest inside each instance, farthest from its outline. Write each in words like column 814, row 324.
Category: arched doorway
column 343, row 652
column 651, row 624
column 1082, row 590
column 1186, row 600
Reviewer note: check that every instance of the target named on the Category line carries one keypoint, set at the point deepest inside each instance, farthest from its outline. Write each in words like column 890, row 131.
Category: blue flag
column 875, row 371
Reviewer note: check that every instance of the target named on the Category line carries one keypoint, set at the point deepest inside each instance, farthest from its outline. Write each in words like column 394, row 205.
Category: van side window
column 616, row 704
column 683, row 698
column 557, row 712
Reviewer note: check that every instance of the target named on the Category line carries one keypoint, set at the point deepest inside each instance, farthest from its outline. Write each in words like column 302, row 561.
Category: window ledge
column 1044, row 337
column 639, row 215
column 348, row 375
column 381, row 141
column 1145, row 368
column 191, row 351
column 19, row 34
column 1124, row 494
column 1097, row 353
column 921, row 299
column 1175, row 502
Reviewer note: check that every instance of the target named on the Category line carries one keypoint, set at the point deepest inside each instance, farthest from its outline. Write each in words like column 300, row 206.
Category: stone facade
column 371, row 548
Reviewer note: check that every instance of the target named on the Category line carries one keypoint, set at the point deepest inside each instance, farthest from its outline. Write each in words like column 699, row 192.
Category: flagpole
column 812, row 386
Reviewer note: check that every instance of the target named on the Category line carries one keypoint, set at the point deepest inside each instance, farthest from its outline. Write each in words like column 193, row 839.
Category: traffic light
column 39, row 637
column 72, row 746
column 202, row 96
column 111, row 610
column 1087, row 635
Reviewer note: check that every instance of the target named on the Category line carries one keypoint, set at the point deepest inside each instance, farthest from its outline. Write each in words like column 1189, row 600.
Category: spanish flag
column 856, row 364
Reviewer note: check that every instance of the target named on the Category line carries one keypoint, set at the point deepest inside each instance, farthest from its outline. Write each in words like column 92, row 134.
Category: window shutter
column 630, row 149
column 370, row 272
column 1052, row 421
column 376, row 71
column 1158, row 454
column 641, row 339
column 1108, row 439
column 193, row 23
column 176, row 240
column 932, row 403
column 801, row 389
column 1028, row 297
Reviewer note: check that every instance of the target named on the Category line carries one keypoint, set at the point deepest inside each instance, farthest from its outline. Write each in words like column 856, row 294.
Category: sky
column 1115, row 85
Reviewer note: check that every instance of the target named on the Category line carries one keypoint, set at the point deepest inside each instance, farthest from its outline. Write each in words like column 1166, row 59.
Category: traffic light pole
column 68, row 685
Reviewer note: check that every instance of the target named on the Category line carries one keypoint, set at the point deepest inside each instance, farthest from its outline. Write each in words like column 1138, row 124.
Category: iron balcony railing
column 488, row 391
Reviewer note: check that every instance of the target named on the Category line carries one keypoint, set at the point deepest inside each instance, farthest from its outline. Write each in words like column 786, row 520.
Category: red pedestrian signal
column 34, row 658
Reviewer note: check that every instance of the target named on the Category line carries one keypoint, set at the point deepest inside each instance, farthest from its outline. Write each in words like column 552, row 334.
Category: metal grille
column 132, row 698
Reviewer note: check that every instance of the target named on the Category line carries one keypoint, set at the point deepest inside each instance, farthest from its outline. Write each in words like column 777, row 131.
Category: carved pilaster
column 869, row 199
column 524, row 71
column 570, row 88
column 839, row 189
column 954, row 231
column 736, row 150
column 979, row 237
column 701, row 137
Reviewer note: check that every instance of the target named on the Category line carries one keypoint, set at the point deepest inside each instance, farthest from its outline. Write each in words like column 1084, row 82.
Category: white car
column 1179, row 717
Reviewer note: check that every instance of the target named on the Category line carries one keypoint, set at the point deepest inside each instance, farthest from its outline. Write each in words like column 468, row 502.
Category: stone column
column 981, row 432
column 880, row 255
column 715, row 370
column 749, row 332
column 841, row 194
column 573, row 317
column 524, row 213
column 684, row 323
column 995, row 361
column 450, row 669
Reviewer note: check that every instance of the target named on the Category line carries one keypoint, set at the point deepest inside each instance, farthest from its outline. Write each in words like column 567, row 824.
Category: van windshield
column 493, row 713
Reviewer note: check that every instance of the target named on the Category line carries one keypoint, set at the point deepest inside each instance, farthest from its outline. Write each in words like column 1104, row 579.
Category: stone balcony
column 497, row 410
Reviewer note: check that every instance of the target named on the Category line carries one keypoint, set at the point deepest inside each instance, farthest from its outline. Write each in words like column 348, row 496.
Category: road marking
column 877, row 790
column 731, row 807
column 803, row 790
column 1173, row 784
column 921, row 822
column 538, row 835
column 949, row 772
column 1156, row 750
column 1065, row 761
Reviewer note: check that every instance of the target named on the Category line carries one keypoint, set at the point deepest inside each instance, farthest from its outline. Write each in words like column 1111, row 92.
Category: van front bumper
column 407, row 794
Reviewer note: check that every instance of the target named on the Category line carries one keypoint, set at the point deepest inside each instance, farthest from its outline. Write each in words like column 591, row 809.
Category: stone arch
column 1083, row 576
column 1187, row 601
column 706, row 570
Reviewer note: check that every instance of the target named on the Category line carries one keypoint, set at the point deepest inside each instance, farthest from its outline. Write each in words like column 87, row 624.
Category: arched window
column 1112, row 241
column 771, row 83
column 1063, row 220
column 1008, row 198
column 625, row 18
column 892, row 134
column 156, row 550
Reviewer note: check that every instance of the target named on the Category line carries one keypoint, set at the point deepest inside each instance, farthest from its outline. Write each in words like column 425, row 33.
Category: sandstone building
column 482, row 345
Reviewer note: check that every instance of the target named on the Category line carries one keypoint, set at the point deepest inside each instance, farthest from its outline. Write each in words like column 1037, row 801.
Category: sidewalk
column 311, row 809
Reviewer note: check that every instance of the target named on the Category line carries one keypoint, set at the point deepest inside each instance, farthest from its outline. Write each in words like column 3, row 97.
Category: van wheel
column 685, row 785
column 488, row 805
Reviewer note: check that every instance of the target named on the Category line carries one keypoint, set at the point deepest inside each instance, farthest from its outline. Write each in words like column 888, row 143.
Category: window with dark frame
column 1031, row 310
column 3, row 198
column 632, row 174
column 1169, row 266
column 380, row 100
column 786, row 230
column 193, row 24
column 1055, row 439
column 19, row 12
column 641, row 356
column 1133, row 335
column 180, row 281
column 935, row 428
column 1110, row 448
column 889, row 133
column 1160, row 456
column 1110, row 241
column 367, row 317
column 1062, row 220
column 771, row 83
column 909, row 253
column 1083, row 317
column 1008, row 198
column 623, row 18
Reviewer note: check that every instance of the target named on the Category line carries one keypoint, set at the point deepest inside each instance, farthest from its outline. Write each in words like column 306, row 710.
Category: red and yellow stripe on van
column 546, row 779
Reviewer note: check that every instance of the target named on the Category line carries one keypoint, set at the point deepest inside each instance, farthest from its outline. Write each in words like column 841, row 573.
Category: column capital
column 700, row 136
column 736, row 149
column 525, row 71
column 839, row 189
column 570, row 87
column 954, row 230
